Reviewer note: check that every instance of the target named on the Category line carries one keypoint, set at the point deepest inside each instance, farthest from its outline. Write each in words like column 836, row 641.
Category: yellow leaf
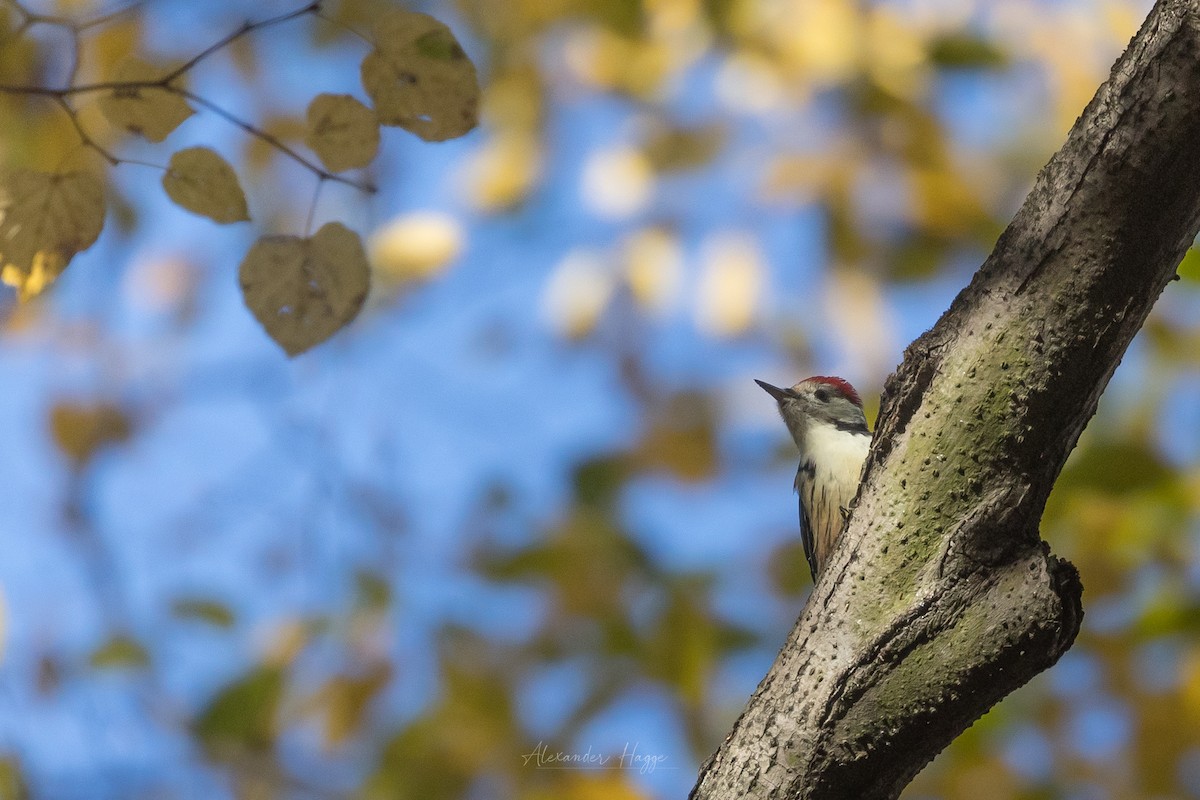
column 342, row 132
column 577, row 293
column 147, row 111
column 12, row 781
column 617, row 183
column 82, row 430
column 419, row 78
column 654, row 263
column 608, row 785
column 305, row 290
column 504, row 170
column 202, row 182
column 416, row 246
column 731, row 278
column 45, row 219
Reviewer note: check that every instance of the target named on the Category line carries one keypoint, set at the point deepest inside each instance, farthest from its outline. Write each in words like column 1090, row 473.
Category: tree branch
column 942, row 599
column 247, row 27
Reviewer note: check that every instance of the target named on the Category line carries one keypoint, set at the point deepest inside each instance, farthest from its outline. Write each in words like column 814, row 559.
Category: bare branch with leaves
column 417, row 77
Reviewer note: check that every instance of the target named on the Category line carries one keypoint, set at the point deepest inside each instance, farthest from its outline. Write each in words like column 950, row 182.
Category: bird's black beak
column 779, row 394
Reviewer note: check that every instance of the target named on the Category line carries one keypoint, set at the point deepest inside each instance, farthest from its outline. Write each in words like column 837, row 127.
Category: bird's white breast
column 836, row 458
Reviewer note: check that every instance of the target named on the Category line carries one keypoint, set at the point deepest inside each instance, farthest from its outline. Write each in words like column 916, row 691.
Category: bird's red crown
column 841, row 386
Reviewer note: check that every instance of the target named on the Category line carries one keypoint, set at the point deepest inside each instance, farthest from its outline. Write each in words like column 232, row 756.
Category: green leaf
column 245, row 714
column 120, row 652
column 201, row 610
column 1115, row 468
column 1189, row 268
column 964, row 51
column 598, row 481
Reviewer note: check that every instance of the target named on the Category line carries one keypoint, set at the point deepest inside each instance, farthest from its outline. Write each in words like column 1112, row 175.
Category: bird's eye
column 821, row 395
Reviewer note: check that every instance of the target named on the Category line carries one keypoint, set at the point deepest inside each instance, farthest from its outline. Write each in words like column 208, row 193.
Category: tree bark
column 941, row 598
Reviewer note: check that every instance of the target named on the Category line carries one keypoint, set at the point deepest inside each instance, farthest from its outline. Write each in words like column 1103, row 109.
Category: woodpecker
column 825, row 417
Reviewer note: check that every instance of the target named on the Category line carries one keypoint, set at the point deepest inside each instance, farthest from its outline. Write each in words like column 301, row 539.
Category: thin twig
column 109, row 17
column 339, row 24
column 247, row 27
column 312, row 208
column 87, row 140
column 320, row 172
column 67, row 91
column 73, row 72
column 166, row 83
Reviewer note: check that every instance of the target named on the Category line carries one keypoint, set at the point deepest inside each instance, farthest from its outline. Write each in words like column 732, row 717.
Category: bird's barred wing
column 806, row 528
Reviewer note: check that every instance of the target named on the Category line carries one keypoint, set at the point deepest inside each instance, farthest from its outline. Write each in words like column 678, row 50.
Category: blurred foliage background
column 530, row 505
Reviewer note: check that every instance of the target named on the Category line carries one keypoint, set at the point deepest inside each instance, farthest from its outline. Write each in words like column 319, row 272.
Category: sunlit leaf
column 654, row 268
column 342, row 132
column 618, row 182
column 303, row 291
column 577, row 292
column 202, row 182
column 731, row 285
column 202, row 610
column 80, row 430
column 416, row 246
column 245, row 714
column 147, row 111
column 612, row 784
column 504, row 171
column 45, row 219
column 120, row 652
column 419, row 78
